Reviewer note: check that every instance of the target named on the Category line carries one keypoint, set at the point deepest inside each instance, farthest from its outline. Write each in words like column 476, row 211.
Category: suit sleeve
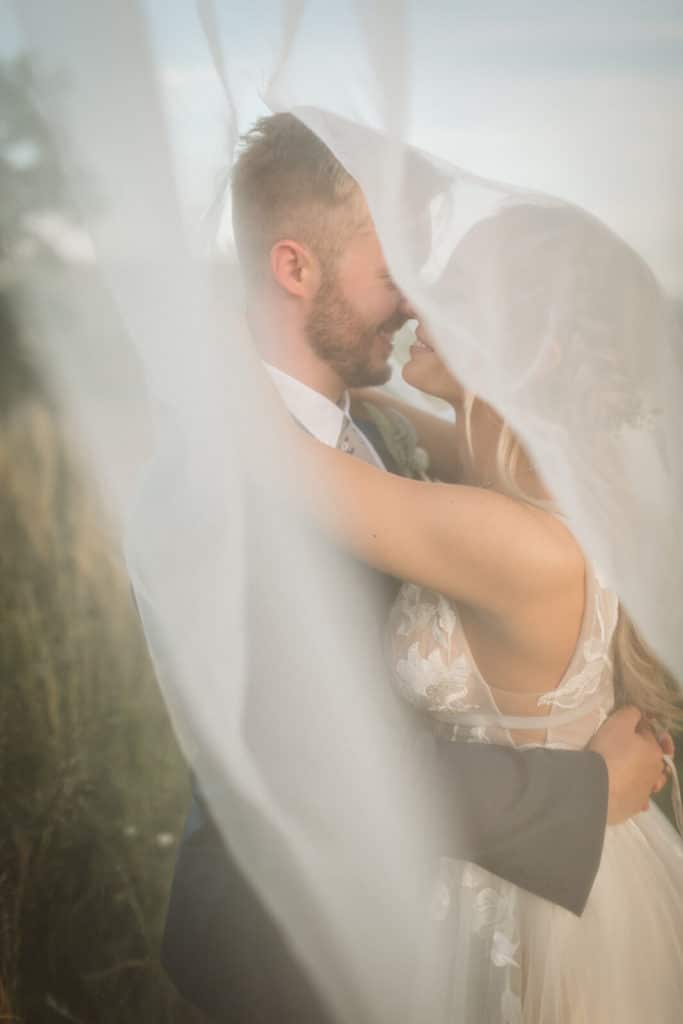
column 534, row 817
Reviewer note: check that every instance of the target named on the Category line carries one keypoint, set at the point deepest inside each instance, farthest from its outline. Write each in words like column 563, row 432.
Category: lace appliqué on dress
column 490, row 906
column 595, row 649
column 429, row 673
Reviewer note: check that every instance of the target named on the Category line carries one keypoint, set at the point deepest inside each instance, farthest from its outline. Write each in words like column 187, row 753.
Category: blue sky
column 582, row 101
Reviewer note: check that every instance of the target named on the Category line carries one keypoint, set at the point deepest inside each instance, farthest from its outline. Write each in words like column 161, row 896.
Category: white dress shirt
column 315, row 412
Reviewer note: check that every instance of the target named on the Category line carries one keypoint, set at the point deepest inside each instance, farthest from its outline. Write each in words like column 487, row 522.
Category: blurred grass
column 93, row 789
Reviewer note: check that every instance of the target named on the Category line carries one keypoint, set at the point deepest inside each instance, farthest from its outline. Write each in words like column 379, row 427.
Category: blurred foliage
column 32, row 178
column 93, row 788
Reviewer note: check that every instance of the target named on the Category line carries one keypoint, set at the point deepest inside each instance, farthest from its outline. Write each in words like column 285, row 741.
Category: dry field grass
column 93, row 788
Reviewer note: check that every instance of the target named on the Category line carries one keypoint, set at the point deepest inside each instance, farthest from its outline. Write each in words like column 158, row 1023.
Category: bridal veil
column 563, row 317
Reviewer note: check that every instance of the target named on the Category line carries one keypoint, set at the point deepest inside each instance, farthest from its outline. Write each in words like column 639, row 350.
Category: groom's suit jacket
column 535, row 817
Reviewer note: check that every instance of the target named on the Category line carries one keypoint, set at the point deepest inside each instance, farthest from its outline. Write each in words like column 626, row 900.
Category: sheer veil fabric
column 537, row 305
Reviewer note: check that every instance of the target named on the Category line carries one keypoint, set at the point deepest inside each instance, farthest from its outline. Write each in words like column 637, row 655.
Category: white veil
column 312, row 773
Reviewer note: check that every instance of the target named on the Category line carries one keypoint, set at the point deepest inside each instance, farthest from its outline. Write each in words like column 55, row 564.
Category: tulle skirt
column 496, row 954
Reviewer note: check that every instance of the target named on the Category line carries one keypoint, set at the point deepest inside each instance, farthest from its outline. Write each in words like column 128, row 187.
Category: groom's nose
column 406, row 309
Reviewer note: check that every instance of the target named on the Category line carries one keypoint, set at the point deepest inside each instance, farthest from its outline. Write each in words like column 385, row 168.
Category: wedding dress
column 495, row 952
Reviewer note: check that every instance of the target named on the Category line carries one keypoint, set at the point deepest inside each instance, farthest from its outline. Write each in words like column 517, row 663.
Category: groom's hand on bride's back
column 634, row 763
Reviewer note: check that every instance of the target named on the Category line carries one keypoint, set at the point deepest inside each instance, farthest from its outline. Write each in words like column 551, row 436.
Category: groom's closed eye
column 384, row 275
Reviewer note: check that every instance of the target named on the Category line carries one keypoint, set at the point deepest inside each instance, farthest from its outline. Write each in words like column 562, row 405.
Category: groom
column 323, row 310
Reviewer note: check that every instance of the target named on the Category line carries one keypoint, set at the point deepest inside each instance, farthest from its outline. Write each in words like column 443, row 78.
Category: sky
column 584, row 101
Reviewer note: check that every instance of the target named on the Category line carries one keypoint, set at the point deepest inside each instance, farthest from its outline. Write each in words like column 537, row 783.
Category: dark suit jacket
column 534, row 817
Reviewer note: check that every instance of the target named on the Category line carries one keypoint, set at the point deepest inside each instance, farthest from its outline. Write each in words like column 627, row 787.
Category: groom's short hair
column 286, row 183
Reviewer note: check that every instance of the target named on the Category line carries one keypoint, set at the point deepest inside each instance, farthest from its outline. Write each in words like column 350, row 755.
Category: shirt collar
column 318, row 414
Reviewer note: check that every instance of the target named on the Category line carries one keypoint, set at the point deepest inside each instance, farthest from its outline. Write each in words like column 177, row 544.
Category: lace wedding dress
column 496, row 952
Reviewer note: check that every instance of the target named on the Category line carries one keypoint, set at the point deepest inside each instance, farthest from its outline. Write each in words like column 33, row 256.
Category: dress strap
column 540, row 723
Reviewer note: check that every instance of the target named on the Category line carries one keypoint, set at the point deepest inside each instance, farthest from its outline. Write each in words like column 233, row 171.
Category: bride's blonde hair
column 639, row 677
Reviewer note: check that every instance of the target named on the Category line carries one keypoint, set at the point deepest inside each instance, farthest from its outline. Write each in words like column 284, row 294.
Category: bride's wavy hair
column 640, row 678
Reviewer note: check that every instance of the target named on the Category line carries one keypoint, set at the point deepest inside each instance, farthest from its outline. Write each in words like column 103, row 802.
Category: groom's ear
column 295, row 268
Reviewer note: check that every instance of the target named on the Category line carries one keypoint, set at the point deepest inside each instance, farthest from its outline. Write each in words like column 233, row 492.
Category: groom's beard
column 357, row 351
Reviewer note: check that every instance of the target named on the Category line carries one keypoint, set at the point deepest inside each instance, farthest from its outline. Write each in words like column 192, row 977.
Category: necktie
column 352, row 441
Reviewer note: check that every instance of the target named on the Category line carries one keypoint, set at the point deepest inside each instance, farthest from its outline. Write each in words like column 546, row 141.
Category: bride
column 505, row 633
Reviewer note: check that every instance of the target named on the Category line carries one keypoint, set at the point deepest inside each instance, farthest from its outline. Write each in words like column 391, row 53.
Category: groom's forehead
column 417, row 234
column 417, row 237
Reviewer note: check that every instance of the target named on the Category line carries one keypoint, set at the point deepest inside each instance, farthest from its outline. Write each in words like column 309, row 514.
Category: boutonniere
column 401, row 440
